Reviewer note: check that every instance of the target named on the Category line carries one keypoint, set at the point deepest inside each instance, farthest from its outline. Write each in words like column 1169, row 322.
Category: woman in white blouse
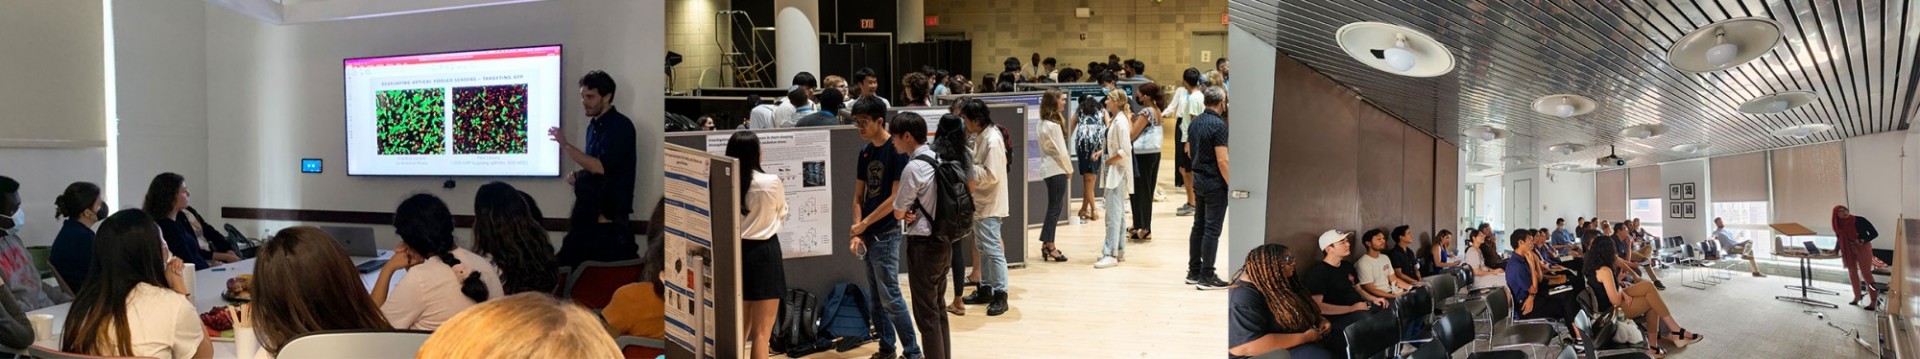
column 134, row 303
column 1188, row 103
column 1055, row 166
column 1117, row 179
column 442, row 278
column 763, row 209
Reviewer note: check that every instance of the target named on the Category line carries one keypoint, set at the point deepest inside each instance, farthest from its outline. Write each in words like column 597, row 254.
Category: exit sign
column 933, row 20
column 1223, row 18
column 866, row 24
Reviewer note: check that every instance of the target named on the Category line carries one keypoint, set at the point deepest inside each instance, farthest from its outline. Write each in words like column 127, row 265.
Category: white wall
column 1911, row 160
column 274, row 96
column 51, row 104
column 1873, row 179
column 1246, row 226
column 161, row 64
column 1564, row 194
column 1690, row 171
column 43, row 174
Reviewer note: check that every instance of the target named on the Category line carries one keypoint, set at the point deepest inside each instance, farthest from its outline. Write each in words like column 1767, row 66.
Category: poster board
column 700, row 257
column 803, row 160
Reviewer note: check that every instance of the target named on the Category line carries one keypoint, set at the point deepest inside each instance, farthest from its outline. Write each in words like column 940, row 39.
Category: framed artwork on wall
column 1673, row 191
column 1673, row 210
column 1689, row 210
column 1686, row 191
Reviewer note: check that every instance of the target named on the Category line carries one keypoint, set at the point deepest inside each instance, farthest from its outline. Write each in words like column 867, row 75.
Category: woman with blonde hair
column 1055, row 166
column 1117, row 179
column 559, row 330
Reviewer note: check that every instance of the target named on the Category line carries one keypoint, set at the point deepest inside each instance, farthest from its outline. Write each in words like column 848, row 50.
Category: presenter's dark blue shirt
column 610, row 138
column 880, row 166
column 72, row 252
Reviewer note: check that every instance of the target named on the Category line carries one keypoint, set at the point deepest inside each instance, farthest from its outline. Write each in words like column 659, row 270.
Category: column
column 912, row 19
column 796, row 36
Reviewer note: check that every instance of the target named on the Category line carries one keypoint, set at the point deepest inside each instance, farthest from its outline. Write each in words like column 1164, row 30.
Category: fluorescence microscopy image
column 411, row 122
column 490, row 119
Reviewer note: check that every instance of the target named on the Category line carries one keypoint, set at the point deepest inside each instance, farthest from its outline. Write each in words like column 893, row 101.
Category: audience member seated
column 1529, row 281
column 507, row 233
column 1439, row 254
column 1727, row 246
column 167, row 197
column 1332, row 286
column 639, row 309
column 1638, row 300
column 1376, row 274
column 303, row 282
column 1269, row 310
column 212, row 245
column 1642, row 252
column 1488, row 269
column 1405, row 267
column 21, row 275
column 442, row 278
column 525, row 325
column 136, row 303
column 80, row 207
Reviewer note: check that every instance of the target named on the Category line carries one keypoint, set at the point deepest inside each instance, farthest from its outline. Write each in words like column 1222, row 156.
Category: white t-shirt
column 429, row 294
column 1377, row 270
column 767, row 204
column 1474, row 259
column 163, row 324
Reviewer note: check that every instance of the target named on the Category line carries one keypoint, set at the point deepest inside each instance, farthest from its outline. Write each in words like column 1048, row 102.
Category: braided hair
column 426, row 226
column 1286, row 297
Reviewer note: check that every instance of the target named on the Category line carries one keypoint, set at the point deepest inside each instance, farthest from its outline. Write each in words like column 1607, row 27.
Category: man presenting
column 603, row 187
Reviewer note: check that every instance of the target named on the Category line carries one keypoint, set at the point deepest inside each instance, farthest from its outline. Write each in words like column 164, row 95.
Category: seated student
column 541, row 327
column 442, row 278
column 1439, row 254
column 1640, row 300
column 639, row 309
column 135, row 304
column 212, row 245
column 1375, row 270
column 1330, row 282
column 1528, row 282
column 21, row 275
column 303, row 282
column 506, row 231
column 167, row 197
column 1724, row 239
column 1405, row 267
column 1269, row 310
column 81, row 207
column 1488, row 270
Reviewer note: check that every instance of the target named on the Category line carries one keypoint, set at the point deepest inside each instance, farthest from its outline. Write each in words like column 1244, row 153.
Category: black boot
column 999, row 305
column 982, row 295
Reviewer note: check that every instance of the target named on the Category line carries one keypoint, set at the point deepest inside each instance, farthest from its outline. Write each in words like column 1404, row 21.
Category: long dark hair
column 77, row 199
column 160, row 194
column 1600, row 254
column 297, row 289
column 1437, row 240
column 950, row 140
column 1283, row 292
column 426, row 226
column 125, row 254
column 506, row 231
column 745, row 146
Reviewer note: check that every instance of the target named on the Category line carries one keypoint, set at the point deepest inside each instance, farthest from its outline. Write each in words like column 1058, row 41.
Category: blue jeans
column 993, row 259
column 1116, row 223
column 883, row 275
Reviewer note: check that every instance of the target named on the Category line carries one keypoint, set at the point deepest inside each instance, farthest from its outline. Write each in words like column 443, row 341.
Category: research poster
column 689, row 230
column 802, row 161
column 1032, row 123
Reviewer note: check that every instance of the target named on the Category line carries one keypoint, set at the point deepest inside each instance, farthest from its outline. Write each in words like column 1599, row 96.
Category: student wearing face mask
column 81, row 208
column 22, row 278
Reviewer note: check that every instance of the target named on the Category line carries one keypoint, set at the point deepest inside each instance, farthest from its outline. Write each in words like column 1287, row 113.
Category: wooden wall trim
column 375, row 218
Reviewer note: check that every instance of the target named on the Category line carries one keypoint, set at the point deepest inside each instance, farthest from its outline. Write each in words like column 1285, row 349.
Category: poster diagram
column 689, row 246
column 802, row 161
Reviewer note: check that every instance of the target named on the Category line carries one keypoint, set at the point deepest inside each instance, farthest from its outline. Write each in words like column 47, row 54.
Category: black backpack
column 953, row 218
column 796, row 329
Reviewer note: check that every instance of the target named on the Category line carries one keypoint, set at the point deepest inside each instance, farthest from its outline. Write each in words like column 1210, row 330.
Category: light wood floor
column 1141, row 309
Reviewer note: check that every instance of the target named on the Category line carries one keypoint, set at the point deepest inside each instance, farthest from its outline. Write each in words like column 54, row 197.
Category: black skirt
column 762, row 271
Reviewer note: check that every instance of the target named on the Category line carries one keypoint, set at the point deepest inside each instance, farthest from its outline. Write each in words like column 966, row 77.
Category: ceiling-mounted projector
column 1611, row 160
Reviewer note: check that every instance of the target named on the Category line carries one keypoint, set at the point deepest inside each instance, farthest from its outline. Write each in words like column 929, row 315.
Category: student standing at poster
column 875, row 232
column 989, row 185
column 930, row 255
column 763, row 209
column 603, row 187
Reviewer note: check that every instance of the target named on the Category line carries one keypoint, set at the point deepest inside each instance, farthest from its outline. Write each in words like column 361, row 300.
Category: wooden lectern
column 1806, row 253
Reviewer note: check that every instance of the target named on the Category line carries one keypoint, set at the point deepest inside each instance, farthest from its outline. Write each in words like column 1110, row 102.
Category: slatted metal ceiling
column 1857, row 55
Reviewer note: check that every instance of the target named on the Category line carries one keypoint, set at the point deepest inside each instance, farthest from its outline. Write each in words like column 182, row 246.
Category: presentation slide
column 470, row 113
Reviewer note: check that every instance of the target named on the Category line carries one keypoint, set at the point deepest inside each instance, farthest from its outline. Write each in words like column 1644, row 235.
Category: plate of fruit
column 218, row 323
column 239, row 289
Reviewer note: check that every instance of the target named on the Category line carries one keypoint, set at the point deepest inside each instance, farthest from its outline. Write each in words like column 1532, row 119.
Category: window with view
column 1748, row 222
column 1649, row 211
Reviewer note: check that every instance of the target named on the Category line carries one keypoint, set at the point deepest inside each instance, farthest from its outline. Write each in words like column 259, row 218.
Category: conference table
column 207, row 286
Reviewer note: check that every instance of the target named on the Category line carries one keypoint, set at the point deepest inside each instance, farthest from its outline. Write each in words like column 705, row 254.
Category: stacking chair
column 592, row 283
column 1599, row 342
column 1455, row 330
column 1371, row 337
column 1502, row 332
column 371, row 344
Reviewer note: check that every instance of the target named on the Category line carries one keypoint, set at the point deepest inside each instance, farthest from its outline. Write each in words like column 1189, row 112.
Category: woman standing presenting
column 1856, row 253
column 763, row 209
column 1117, row 180
column 1055, row 167
column 1146, row 137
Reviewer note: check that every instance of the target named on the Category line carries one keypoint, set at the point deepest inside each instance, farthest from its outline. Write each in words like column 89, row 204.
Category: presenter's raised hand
column 554, row 134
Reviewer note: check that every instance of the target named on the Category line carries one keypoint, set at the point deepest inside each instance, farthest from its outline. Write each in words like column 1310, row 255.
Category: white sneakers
column 1106, row 262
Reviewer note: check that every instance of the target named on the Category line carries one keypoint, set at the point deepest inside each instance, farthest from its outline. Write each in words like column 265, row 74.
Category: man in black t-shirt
column 1331, row 283
column 604, row 184
column 1405, row 266
column 875, row 230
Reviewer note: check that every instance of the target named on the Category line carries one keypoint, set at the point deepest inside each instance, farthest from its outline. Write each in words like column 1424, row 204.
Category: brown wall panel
column 1446, row 186
column 1311, row 185
column 1417, row 203
column 1382, row 173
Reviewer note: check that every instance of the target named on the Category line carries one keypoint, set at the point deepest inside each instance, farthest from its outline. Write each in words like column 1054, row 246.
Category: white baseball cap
column 1332, row 236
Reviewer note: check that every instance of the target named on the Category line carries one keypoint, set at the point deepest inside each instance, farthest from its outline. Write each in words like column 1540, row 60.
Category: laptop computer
column 358, row 242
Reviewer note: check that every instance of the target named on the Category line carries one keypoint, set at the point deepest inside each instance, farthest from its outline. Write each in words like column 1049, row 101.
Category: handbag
column 1625, row 331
